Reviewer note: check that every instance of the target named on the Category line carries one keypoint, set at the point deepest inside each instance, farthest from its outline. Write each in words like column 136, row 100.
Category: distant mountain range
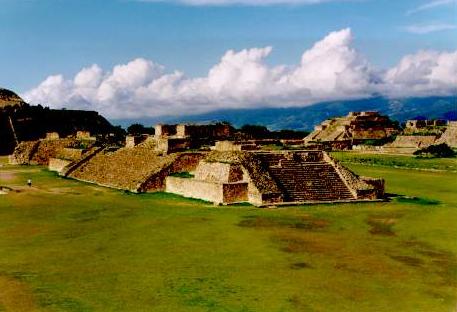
column 305, row 118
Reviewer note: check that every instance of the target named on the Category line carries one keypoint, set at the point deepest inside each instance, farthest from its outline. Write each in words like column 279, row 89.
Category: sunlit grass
column 71, row 246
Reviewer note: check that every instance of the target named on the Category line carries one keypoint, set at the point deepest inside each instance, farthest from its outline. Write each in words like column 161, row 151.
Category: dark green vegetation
column 304, row 118
column 69, row 246
column 137, row 129
column 398, row 161
column 20, row 121
column 440, row 150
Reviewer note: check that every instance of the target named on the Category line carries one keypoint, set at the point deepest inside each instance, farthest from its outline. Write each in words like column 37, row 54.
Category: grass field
column 398, row 161
column 70, row 246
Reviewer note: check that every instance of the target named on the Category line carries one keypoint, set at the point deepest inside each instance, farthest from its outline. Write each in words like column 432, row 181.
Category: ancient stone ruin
column 274, row 178
column 177, row 159
column 173, row 138
column 355, row 128
column 20, row 122
column 420, row 134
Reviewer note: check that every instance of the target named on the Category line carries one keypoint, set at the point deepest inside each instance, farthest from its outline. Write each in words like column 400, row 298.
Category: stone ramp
column 125, row 168
column 137, row 169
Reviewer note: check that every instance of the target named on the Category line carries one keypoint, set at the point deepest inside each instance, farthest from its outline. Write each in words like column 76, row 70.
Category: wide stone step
column 310, row 181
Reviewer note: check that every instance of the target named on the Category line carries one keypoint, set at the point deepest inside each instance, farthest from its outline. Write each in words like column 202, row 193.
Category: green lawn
column 399, row 161
column 70, row 246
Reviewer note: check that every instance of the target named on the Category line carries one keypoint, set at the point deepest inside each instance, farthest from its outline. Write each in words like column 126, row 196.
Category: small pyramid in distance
column 10, row 99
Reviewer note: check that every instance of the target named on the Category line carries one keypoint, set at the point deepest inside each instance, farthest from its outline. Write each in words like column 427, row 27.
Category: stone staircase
column 307, row 181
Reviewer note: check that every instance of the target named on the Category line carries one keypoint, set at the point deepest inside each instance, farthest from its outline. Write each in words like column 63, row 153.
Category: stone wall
column 52, row 136
column 450, row 135
column 39, row 152
column 218, row 193
column 219, row 172
column 183, row 162
column 134, row 140
column 192, row 188
column 171, row 145
column 235, row 192
column 50, row 149
column 83, row 135
column 164, row 130
column 23, row 153
column 230, row 146
column 58, row 165
column 70, row 153
column 408, row 144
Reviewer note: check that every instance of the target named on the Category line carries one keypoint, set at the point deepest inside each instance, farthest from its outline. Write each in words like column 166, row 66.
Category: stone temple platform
column 274, row 178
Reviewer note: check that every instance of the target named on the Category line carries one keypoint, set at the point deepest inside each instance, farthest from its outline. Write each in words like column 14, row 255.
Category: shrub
column 441, row 151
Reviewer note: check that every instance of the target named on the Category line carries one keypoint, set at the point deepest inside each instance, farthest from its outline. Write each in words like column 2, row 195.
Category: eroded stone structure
column 174, row 138
column 41, row 151
column 136, row 169
column 231, row 146
column 420, row 134
column 419, row 125
column 20, row 122
column 134, row 140
column 274, row 178
column 355, row 128
column 408, row 144
column 449, row 136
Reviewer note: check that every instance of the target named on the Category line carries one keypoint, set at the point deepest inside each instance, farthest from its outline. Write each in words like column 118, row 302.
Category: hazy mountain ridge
column 305, row 118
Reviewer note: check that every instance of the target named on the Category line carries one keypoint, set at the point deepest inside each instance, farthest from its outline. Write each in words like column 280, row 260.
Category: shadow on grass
column 300, row 265
column 417, row 200
column 305, row 223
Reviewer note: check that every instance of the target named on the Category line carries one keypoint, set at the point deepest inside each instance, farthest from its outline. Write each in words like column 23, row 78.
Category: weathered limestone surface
column 450, row 135
column 184, row 162
column 134, row 140
column 355, row 127
column 219, row 172
column 58, row 165
column 23, row 153
column 216, row 192
column 39, row 152
column 230, row 146
column 137, row 169
column 269, row 178
column 408, row 144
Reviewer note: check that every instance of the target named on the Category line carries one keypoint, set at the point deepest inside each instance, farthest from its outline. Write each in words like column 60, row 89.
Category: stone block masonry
column 218, row 193
column 58, row 165
column 271, row 178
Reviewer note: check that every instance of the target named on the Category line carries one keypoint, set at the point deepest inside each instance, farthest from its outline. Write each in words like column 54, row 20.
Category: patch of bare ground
column 299, row 222
column 63, row 190
column 440, row 262
column 16, row 296
column 6, row 175
column 408, row 260
column 23, row 231
column 381, row 226
column 292, row 243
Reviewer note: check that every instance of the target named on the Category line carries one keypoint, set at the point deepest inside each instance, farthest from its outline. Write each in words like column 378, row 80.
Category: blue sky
column 43, row 37
column 47, row 37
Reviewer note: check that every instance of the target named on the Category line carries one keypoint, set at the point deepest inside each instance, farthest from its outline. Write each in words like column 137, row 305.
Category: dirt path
column 6, row 175
column 16, row 296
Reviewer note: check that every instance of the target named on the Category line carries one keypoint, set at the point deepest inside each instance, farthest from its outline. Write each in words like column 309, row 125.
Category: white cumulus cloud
column 330, row 69
column 423, row 73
